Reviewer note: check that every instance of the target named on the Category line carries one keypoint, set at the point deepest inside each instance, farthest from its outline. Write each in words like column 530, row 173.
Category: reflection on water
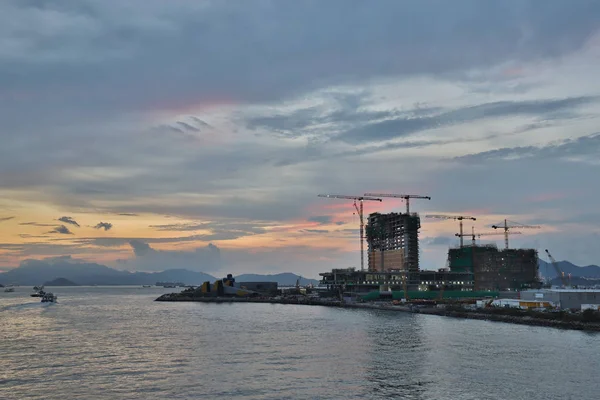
column 107, row 343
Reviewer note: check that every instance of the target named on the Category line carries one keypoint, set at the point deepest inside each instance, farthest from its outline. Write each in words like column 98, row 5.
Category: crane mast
column 460, row 219
column 560, row 273
column 473, row 234
column 359, row 209
column 406, row 197
column 506, row 227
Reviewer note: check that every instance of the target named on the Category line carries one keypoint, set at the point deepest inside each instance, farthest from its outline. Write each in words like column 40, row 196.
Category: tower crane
column 473, row 234
column 507, row 227
column 460, row 219
column 560, row 273
column 359, row 209
column 406, row 197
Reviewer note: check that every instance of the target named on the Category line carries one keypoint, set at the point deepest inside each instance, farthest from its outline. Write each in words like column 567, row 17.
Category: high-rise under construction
column 393, row 241
column 493, row 269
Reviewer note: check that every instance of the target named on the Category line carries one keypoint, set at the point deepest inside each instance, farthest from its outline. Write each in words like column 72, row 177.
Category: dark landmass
column 548, row 271
column 283, row 279
column 588, row 320
column 60, row 282
column 173, row 284
column 32, row 272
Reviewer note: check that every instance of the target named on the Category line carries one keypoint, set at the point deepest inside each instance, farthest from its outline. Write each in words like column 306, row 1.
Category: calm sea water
column 117, row 343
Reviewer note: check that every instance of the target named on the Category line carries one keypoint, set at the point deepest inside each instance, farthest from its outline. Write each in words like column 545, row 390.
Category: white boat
column 38, row 288
column 9, row 289
column 49, row 298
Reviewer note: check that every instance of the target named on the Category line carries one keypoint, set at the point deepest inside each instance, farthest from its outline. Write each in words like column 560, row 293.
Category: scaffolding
column 508, row 269
column 393, row 241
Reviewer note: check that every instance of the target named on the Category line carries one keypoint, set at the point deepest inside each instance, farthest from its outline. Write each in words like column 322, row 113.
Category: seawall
column 480, row 314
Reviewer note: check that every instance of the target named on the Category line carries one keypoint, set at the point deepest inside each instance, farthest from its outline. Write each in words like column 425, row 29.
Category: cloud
column 62, row 230
column 2, row 219
column 35, row 224
column 104, row 225
column 315, row 230
column 69, row 220
column 321, row 219
column 401, row 127
column 28, row 236
column 582, row 149
column 219, row 230
column 436, row 241
column 205, row 259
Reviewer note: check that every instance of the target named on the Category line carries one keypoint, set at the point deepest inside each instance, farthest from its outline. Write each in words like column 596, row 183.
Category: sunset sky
column 150, row 134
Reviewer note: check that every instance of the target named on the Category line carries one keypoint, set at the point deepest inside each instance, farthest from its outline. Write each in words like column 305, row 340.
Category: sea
column 118, row 343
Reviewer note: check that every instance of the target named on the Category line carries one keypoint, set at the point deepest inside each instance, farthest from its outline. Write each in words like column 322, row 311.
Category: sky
column 149, row 134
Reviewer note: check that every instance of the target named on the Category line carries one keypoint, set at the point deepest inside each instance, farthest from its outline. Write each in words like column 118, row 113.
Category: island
column 60, row 282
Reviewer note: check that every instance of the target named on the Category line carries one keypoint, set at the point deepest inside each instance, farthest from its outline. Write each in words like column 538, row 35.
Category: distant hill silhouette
column 60, row 282
column 548, row 271
column 35, row 272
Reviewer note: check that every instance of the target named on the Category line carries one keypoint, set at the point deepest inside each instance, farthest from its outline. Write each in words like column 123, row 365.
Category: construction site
column 392, row 241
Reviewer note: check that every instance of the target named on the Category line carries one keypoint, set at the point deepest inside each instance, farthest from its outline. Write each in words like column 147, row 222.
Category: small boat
column 9, row 288
column 39, row 293
column 38, row 288
column 49, row 298
column 146, row 286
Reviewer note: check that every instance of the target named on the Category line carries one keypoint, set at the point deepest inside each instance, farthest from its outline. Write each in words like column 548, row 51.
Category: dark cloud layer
column 69, row 220
column 571, row 148
column 402, row 127
column 268, row 49
column 63, row 230
column 103, row 225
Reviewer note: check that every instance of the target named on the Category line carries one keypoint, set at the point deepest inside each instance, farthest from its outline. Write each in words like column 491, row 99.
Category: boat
column 9, row 289
column 38, row 288
column 146, row 286
column 39, row 293
column 49, row 298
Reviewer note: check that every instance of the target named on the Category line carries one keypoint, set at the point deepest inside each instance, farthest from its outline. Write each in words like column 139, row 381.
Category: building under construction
column 493, row 269
column 393, row 242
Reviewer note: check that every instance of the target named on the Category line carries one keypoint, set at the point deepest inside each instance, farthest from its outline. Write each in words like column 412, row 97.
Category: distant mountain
column 34, row 272
column 60, row 282
column 548, row 271
column 283, row 279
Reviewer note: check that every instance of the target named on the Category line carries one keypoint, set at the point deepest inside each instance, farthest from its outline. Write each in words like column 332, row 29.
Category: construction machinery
column 472, row 234
column 358, row 205
column 560, row 273
column 507, row 227
column 460, row 219
column 406, row 197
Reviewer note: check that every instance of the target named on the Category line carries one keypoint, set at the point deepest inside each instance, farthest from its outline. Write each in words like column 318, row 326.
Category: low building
column 422, row 284
column 516, row 303
column 567, row 299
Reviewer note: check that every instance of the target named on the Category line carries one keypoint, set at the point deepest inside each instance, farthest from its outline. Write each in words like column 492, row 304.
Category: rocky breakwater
column 587, row 321
column 190, row 296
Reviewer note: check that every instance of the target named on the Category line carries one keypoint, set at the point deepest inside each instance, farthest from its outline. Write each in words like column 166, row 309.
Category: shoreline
column 478, row 314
